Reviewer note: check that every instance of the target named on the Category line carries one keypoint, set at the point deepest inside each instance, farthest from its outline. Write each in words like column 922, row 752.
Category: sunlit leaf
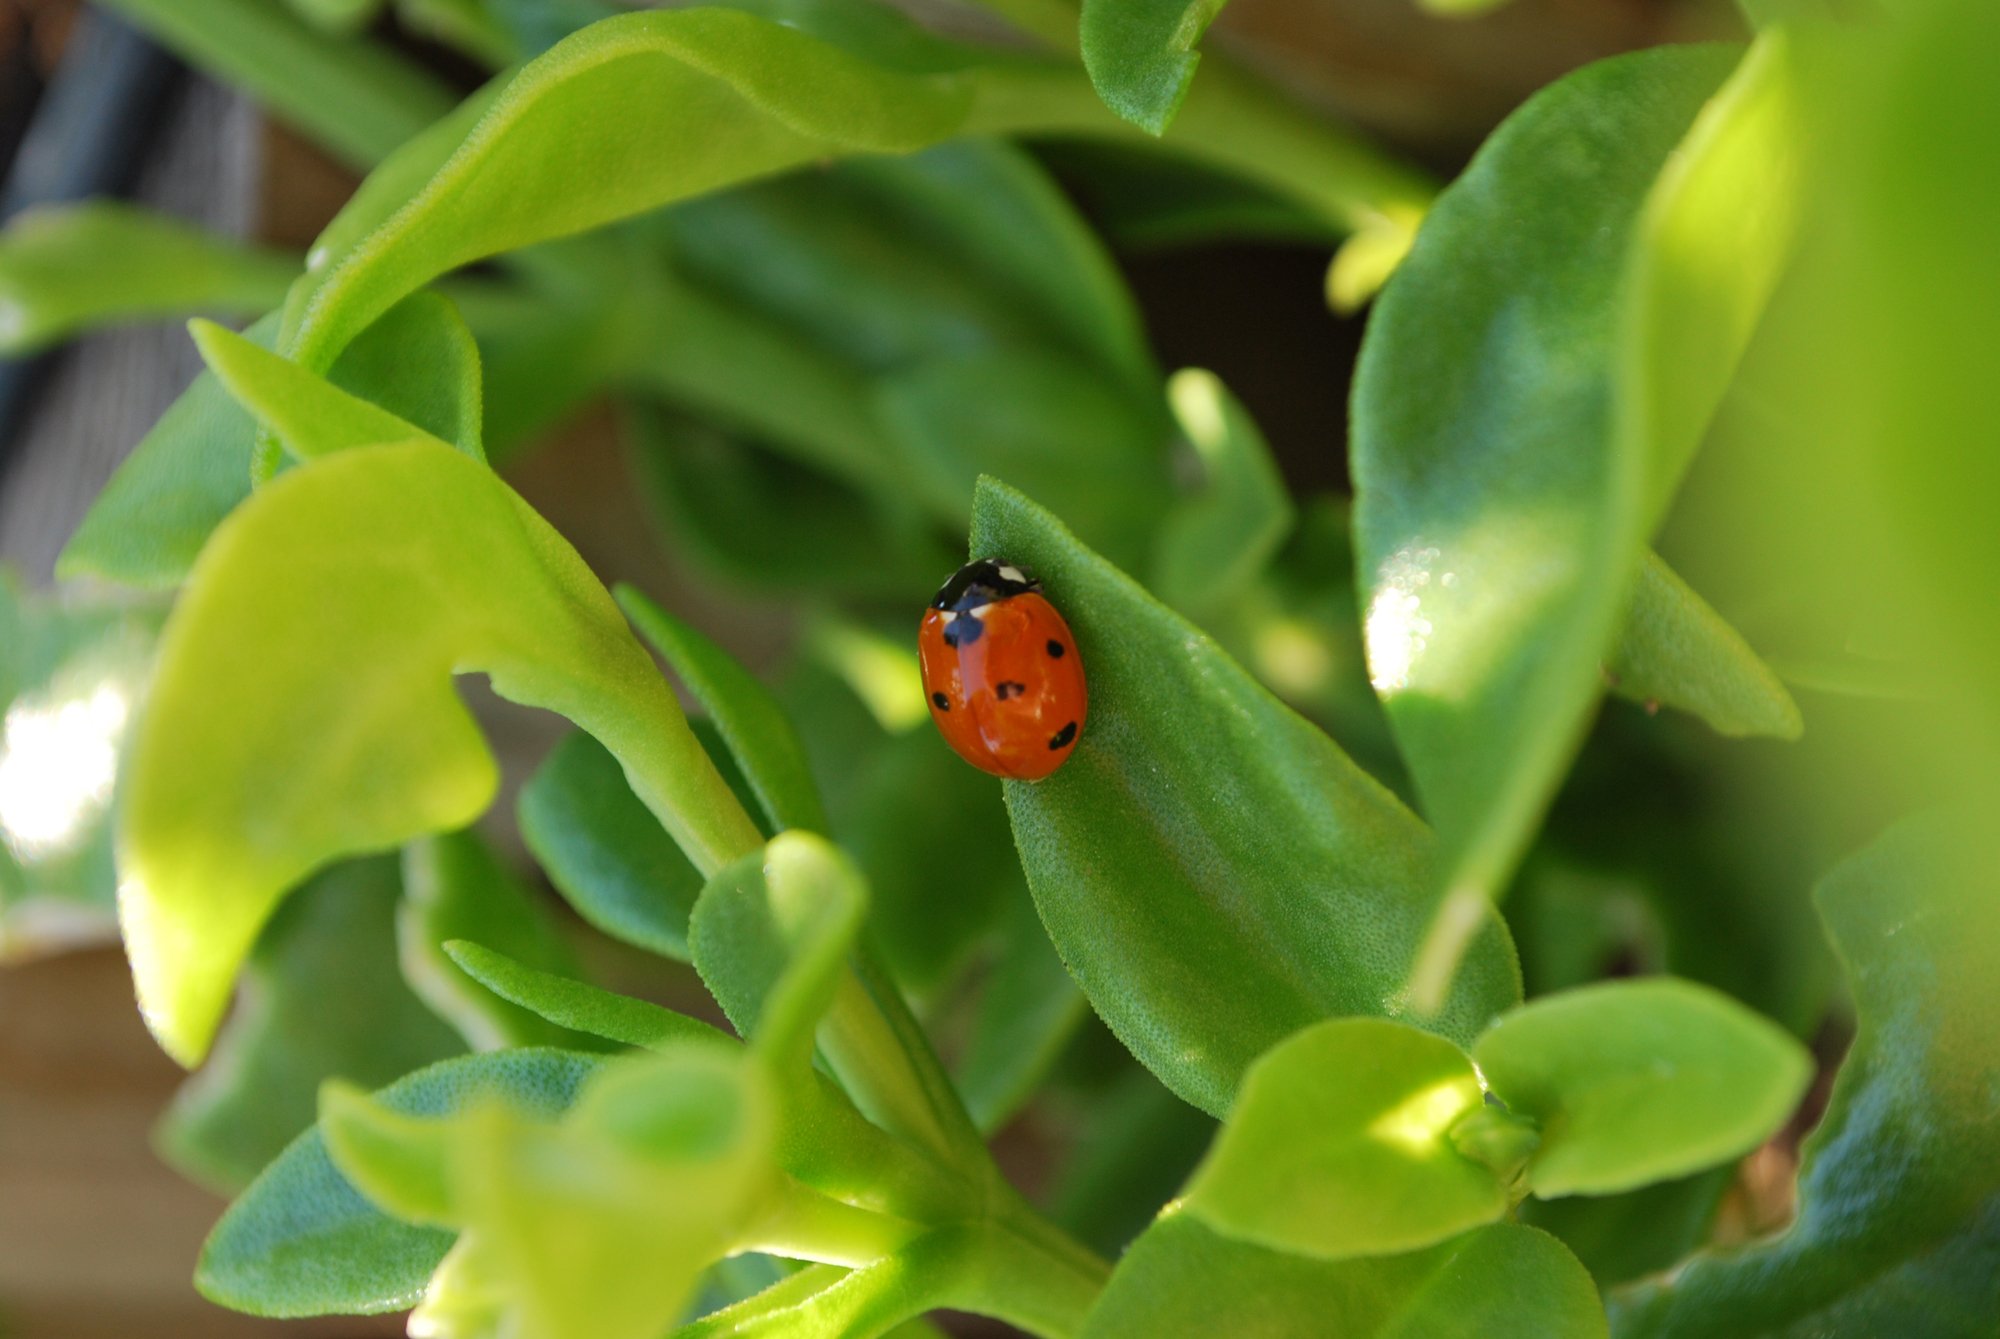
column 1339, row 1145
column 1498, row 513
column 71, row 668
column 305, row 679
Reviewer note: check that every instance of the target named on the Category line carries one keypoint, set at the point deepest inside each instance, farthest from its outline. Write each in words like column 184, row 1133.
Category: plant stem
column 1052, row 22
column 1230, row 121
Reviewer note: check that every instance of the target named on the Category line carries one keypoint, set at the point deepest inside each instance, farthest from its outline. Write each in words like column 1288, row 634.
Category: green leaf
column 71, row 667
column 1898, row 1227
column 714, row 496
column 771, row 935
column 1028, row 1010
column 1620, row 1238
column 759, row 735
column 164, row 501
column 823, row 1303
column 885, row 262
column 1141, row 54
column 1339, row 1144
column 456, row 888
column 1675, row 651
column 301, row 1241
column 1034, row 416
column 322, row 998
column 605, row 851
column 420, row 361
column 576, row 1005
column 337, row 15
column 193, row 468
column 1708, row 248
column 1640, row 1081
column 931, row 834
column 1498, row 515
column 354, row 97
column 597, row 1224
column 1499, row 1282
column 303, row 694
column 309, row 414
column 1217, row 540
column 788, row 98
column 69, row 268
column 1209, row 906
column 401, row 1163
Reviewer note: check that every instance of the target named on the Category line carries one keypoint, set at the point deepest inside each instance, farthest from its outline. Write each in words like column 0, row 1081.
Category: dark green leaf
column 456, row 888
column 714, row 498
column 188, row 472
column 605, row 851
column 355, row 97
column 1141, row 54
column 931, row 834
column 1217, row 540
column 1499, row 1282
column 1028, row 1008
column 302, row 1242
column 1899, row 1197
column 1036, row 417
column 322, row 999
column 1215, row 871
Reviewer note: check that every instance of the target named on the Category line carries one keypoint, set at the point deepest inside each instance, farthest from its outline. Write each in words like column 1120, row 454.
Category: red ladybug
column 1001, row 672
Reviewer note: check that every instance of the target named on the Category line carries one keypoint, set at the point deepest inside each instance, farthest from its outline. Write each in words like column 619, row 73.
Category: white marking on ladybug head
column 980, row 612
column 949, row 615
column 1013, row 574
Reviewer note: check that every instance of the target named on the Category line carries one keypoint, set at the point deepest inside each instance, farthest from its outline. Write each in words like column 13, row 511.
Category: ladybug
column 1001, row 672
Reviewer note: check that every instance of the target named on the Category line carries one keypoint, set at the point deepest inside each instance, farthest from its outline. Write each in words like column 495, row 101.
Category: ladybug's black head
column 981, row 583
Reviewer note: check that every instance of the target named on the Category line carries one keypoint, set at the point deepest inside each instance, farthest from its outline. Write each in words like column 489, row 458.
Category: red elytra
column 1001, row 672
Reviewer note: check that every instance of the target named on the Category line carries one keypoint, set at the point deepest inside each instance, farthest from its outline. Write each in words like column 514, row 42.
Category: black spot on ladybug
column 965, row 628
column 1007, row 688
column 1055, row 650
column 1064, row 735
column 943, row 702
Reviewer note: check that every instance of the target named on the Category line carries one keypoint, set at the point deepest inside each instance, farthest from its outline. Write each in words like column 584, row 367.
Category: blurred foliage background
column 692, row 398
